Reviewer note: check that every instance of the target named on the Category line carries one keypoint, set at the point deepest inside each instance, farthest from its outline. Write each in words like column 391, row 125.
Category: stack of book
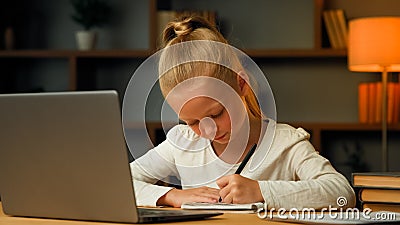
column 370, row 102
column 336, row 27
column 378, row 191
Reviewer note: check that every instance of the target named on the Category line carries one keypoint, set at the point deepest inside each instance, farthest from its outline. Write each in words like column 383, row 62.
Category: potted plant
column 89, row 14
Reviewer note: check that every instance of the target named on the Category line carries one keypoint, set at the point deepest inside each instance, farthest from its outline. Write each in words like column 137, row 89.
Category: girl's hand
column 238, row 189
column 176, row 197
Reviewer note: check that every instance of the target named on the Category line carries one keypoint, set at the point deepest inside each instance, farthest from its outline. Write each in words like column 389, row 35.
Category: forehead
column 199, row 107
column 208, row 93
column 193, row 73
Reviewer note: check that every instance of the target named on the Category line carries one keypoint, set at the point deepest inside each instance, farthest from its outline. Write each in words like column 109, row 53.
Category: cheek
column 224, row 123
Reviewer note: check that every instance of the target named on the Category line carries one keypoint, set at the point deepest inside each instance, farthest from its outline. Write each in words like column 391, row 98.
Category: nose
column 208, row 128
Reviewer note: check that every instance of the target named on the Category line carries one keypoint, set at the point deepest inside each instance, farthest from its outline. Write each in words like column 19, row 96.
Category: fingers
column 228, row 199
column 202, row 194
column 223, row 181
column 199, row 198
column 176, row 197
column 238, row 189
column 229, row 193
column 208, row 192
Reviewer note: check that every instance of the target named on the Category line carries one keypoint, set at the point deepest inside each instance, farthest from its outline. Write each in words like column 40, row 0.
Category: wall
column 305, row 89
column 260, row 23
column 44, row 24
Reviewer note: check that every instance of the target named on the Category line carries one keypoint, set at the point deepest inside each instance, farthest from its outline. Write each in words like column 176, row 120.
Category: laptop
column 63, row 155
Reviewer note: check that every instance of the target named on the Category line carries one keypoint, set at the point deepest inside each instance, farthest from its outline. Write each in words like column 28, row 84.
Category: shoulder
column 184, row 138
column 280, row 139
column 183, row 131
column 289, row 134
column 292, row 145
column 288, row 140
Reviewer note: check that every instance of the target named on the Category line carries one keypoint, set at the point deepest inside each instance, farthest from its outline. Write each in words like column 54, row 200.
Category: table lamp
column 374, row 46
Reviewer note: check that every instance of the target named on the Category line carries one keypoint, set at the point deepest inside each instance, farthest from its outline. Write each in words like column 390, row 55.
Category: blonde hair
column 173, row 71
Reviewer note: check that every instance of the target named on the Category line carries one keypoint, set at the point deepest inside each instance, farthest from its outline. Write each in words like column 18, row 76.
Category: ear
column 243, row 83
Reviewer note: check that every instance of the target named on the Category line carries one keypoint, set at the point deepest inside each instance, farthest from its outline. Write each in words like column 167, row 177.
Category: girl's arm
column 318, row 185
column 156, row 164
column 176, row 198
column 314, row 184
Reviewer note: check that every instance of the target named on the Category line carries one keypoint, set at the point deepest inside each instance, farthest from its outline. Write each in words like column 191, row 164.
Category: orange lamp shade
column 374, row 44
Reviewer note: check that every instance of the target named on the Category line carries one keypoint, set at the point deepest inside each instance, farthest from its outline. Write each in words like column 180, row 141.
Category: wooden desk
column 227, row 219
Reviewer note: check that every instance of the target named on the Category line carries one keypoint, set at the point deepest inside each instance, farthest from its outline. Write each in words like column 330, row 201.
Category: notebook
column 63, row 155
column 225, row 207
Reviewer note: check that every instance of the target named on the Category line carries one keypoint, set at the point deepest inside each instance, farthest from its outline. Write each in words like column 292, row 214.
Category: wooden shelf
column 115, row 53
column 296, row 53
column 73, row 56
column 123, row 53
column 305, row 125
column 35, row 54
column 345, row 126
column 314, row 128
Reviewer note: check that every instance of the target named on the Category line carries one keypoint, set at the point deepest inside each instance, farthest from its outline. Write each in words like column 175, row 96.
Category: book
column 363, row 103
column 220, row 206
column 376, row 179
column 330, row 29
column 336, row 27
column 378, row 102
column 341, row 18
column 378, row 206
column 372, row 102
column 382, row 195
column 390, row 102
column 396, row 108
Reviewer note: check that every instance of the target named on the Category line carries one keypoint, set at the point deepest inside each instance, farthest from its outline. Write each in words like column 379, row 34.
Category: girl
column 223, row 121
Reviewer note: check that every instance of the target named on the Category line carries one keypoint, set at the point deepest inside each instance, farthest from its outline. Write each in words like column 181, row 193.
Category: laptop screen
column 63, row 155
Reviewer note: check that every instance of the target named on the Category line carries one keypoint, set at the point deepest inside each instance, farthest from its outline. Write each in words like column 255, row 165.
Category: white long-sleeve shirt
column 290, row 172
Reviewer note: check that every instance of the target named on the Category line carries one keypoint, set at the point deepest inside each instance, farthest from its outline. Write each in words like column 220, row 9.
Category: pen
column 246, row 159
column 244, row 162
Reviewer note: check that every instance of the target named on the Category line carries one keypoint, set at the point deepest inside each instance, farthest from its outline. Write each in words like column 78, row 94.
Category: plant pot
column 86, row 40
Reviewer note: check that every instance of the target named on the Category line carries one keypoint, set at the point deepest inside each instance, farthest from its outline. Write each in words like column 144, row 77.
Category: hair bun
column 183, row 26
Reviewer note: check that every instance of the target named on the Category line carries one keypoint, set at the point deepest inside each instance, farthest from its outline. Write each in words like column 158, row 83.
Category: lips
column 220, row 137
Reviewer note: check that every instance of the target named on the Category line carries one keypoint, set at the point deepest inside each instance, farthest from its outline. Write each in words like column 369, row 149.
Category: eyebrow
column 212, row 108
column 207, row 113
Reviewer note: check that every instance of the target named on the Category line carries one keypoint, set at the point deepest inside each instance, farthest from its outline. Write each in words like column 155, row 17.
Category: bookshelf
column 71, row 56
column 330, row 140
column 315, row 129
column 81, row 66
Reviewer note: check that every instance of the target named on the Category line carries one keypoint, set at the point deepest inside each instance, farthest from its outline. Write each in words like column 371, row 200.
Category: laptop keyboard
column 161, row 212
column 154, row 212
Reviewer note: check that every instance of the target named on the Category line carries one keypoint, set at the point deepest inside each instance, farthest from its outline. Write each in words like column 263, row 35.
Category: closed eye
column 218, row 114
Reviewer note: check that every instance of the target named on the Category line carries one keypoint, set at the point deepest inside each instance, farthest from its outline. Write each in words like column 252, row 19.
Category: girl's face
column 207, row 118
